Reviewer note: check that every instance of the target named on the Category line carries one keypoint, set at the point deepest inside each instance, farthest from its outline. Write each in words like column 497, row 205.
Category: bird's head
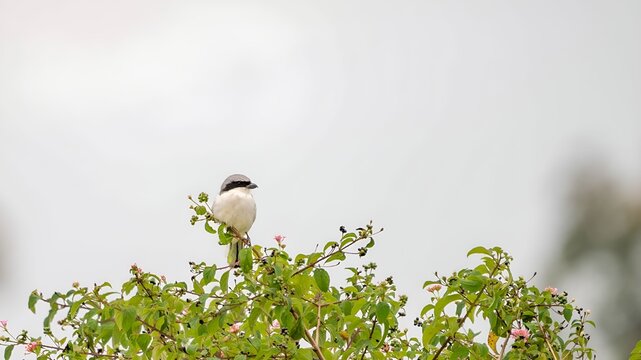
column 237, row 181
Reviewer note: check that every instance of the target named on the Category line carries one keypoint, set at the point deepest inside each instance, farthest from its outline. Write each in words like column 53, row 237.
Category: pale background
column 451, row 124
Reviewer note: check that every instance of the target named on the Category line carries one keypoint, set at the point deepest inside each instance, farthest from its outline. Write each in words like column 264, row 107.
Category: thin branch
column 371, row 332
column 547, row 342
column 326, row 256
column 351, row 339
column 504, row 346
column 462, row 319
column 318, row 322
column 310, row 338
column 58, row 348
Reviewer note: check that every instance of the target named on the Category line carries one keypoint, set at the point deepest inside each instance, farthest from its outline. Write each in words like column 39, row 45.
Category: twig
column 58, row 348
column 462, row 319
column 327, row 256
column 547, row 342
column 504, row 346
column 318, row 317
column 351, row 339
column 333, row 302
column 310, row 338
column 371, row 332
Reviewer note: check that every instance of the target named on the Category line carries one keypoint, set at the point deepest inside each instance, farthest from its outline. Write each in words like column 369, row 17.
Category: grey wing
column 254, row 215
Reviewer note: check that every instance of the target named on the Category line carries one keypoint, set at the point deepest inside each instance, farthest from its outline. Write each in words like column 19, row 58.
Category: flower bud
column 32, row 346
column 433, row 287
column 235, row 328
column 274, row 326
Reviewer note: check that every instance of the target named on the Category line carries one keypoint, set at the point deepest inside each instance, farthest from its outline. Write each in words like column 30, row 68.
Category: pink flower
column 275, row 326
column 235, row 329
column 386, row 348
column 551, row 290
column 3, row 324
column 520, row 333
column 433, row 287
column 279, row 239
column 183, row 314
column 32, row 346
column 163, row 279
column 136, row 269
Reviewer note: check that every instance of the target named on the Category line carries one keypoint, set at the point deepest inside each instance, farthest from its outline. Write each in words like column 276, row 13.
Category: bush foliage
column 274, row 305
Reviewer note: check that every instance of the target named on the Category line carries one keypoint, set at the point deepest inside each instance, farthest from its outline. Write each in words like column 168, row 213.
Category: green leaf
column 128, row 318
column 479, row 250
column 296, row 331
column 287, row 320
column 7, row 352
column 33, row 299
column 245, row 259
column 106, row 331
column 143, row 341
column 52, row 313
column 442, row 303
column 198, row 289
column 382, row 310
column 313, row 257
column 459, row 308
column 634, row 355
column 459, row 351
column 208, row 228
column 322, row 279
column 200, row 210
column 304, row 354
column 340, row 256
column 471, row 285
column 480, row 351
column 346, row 307
column 209, row 274
column 427, row 308
column 224, row 281
column 191, row 350
column 567, row 312
column 429, row 331
column 348, row 236
column 73, row 311
column 329, row 245
column 223, row 237
column 253, row 315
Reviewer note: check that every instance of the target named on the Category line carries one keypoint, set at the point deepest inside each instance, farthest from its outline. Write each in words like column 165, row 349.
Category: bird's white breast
column 236, row 208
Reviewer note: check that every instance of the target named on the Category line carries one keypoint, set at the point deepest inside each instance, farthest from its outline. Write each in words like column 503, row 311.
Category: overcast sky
column 451, row 124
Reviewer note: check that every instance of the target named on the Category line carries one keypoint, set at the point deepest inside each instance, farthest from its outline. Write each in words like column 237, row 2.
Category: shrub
column 274, row 305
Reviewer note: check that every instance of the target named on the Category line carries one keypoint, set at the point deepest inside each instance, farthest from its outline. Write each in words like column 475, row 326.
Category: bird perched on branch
column 235, row 206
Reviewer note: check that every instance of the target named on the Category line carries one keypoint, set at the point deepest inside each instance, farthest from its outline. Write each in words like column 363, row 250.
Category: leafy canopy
column 274, row 305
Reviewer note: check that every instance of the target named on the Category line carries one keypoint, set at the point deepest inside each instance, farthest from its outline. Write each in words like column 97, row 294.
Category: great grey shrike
column 235, row 206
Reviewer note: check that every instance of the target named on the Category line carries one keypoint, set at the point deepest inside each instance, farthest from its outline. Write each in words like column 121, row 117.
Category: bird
column 235, row 206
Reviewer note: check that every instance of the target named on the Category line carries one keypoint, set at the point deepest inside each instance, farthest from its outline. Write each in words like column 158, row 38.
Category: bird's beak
column 251, row 186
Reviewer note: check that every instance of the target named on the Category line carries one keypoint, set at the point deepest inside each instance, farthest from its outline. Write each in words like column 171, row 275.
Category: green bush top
column 274, row 305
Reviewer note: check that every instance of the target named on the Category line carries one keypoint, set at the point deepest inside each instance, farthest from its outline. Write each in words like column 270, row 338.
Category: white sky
column 451, row 124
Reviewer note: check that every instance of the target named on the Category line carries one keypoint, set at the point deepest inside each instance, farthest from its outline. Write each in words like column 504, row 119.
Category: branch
column 60, row 349
column 340, row 249
column 504, row 346
column 547, row 342
column 371, row 332
column 318, row 323
column 309, row 338
column 461, row 320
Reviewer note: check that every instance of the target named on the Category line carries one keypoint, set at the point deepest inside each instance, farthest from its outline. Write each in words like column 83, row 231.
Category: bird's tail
column 234, row 252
